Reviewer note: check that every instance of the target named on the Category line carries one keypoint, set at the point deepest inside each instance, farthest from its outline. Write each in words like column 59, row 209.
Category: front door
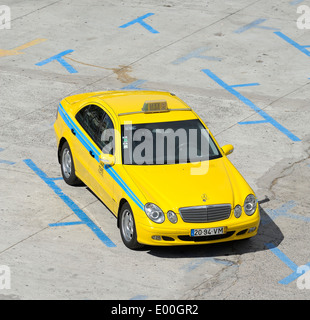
column 99, row 128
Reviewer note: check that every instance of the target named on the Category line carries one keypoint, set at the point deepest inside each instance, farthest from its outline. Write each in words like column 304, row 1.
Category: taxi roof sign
column 155, row 106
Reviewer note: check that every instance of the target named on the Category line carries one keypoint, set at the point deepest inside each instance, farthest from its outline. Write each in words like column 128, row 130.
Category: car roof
column 127, row 105
column 129, row 101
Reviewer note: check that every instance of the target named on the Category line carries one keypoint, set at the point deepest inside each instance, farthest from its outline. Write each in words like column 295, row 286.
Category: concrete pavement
column 241, row 65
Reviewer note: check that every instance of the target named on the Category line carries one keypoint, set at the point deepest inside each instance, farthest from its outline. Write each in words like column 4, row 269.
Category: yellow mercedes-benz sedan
column 155, row 164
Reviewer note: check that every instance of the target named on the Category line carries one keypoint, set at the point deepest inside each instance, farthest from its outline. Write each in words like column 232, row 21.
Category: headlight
column 154, row 212
column 250, row 204
column 237, row 211
column 172, row 217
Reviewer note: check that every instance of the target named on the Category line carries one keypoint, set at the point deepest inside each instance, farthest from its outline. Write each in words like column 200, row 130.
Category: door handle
column 73, row 131
column 92, row 153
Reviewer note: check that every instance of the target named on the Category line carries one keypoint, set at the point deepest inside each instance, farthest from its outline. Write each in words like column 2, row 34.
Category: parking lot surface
column 242, row 65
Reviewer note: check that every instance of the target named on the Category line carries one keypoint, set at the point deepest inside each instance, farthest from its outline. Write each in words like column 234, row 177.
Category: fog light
column 252, row 229
column 237, row 211
column 172, row 217
column 156, row 237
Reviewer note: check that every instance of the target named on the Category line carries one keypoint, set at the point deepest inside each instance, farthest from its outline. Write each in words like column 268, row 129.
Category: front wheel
column 128, row 228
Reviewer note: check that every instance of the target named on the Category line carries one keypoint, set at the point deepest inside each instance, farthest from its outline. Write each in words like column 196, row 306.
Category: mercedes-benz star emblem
column 204, row 197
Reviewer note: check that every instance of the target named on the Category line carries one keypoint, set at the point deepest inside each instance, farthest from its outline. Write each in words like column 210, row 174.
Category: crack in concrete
column 279, row 171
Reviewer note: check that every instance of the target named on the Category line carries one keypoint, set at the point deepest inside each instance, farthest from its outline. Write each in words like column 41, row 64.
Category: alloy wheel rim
column 127, row 225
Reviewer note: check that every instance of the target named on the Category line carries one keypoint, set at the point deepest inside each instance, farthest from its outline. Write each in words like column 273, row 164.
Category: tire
column 128, row 228
column 67, row 166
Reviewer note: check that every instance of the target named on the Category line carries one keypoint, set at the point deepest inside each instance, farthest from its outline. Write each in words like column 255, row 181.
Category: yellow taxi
column 154, row 163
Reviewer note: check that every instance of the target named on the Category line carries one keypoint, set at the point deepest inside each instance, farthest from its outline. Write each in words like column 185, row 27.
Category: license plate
column 207, row 232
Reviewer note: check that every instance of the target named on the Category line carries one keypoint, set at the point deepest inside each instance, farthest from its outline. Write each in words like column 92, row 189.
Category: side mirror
column 228, row 149
column 108, row 159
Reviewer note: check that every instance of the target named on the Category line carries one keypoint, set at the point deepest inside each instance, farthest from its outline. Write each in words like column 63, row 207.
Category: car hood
column 174, row 186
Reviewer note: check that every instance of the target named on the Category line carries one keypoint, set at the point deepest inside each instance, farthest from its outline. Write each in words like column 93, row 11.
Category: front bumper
column 179, row 234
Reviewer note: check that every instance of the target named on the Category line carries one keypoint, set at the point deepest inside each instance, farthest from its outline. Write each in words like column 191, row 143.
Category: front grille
column 202, row 214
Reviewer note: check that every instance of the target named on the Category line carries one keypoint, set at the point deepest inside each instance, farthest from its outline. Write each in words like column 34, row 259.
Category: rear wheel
column 128, row 228
column 67, row 166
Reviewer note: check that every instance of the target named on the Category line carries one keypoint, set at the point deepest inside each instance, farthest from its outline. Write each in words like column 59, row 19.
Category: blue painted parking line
column 139, row 297
column 294, row 43
column 196, row 54
column 293, row 266
column 283, row 211
column 245, row 85
column 58, row 178
column 6, row 161
column 253, row 122
column 249, row 103
column 294, row 2
column 134, row 85
column 59, row 57
column 141, row 21
column 61, row 224
column 84, row 219
column 254, row 24
column 281, row 255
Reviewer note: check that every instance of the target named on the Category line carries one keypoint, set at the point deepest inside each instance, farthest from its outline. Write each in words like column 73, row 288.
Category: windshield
column 167, row 143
